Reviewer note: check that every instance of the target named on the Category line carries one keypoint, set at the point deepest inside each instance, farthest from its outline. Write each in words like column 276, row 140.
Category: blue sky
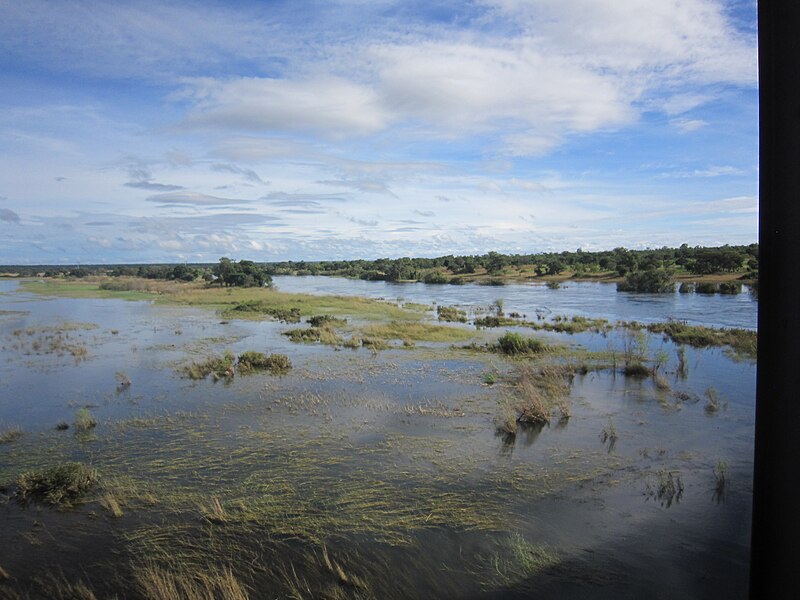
column 273, row 130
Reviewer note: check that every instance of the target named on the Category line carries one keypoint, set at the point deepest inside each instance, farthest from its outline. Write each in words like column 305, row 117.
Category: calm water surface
column 573, row 298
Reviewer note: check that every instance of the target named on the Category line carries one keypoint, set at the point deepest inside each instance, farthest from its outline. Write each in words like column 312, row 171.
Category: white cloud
column 688, row 125
column 327, row 105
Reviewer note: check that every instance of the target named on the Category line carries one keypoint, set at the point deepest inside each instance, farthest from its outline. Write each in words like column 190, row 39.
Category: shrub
column 706, row 288
column 730, row 287
column 59, row 485
column 650, row 281
column 686, row 287
column 435, row 277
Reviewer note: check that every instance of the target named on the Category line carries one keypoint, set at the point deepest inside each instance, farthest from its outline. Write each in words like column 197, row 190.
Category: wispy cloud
column 193, row 199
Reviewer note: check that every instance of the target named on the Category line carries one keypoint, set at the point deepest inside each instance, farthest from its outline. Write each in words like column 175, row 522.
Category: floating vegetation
column 571, row 325
column 60, row 485
column 743, row 341
column 494, row 321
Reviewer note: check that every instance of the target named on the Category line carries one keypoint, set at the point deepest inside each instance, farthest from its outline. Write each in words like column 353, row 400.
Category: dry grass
column 214, row 512
column 109, row 502
column 418, row 332
column 157, row 583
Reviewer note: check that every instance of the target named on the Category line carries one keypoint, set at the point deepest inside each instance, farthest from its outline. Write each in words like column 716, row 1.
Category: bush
column 435, row 277
column 651, row 281
column 686, row 288
column 730, row 287
column 512, row 343
column 322, row 320
column 706, row 288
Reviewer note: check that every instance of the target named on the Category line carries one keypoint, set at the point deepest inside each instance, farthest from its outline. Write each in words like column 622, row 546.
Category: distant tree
column 245, row 273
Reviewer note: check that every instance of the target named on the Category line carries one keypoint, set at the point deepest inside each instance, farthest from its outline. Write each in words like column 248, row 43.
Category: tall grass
column 57, row 485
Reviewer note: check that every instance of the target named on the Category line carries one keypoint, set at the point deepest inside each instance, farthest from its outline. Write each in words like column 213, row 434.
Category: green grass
column 84, row 420
column 217, row 366
column 418, row 332
column 59, row 485
column 451, row 314
column 226, row 299
column 514, row 344
column 254, row 361
column 744, row 342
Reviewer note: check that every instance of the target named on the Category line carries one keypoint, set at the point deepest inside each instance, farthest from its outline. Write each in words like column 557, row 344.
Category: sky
column 280, row 130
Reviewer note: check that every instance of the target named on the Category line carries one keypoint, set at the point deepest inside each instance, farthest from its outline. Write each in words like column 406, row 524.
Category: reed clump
column 59, row 485
column 10, row 434
column 84, row 420
column 251, row 361
column 514, row 344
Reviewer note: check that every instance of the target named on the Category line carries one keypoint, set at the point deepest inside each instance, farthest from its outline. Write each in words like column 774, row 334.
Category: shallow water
column 390, row 461
column 600, row 300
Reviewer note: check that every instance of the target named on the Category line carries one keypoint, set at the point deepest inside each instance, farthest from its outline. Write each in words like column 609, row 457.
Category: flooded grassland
column 254, row 444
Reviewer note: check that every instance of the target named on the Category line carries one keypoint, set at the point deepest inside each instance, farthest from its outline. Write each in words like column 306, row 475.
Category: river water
column 600, row 300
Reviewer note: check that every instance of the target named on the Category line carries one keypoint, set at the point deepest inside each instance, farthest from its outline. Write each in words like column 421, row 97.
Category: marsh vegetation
column 428, row 459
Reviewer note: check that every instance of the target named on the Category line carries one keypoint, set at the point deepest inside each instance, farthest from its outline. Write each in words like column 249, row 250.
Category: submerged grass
column 743, row 342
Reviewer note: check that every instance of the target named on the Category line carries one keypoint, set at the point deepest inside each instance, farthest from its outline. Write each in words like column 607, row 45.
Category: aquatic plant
column 742, row 341
column 609, row 434
column 451, row 314
column 111, row 504
column 516, row 560
column 666, row 487
column 489, row 378
column 712, row 401
column 720, row 480
column 251, row 360
column 84, row 420
column 217, row 366
column 181, row 582
column 10, row 434
column 682, row 367
column 323, row 320
column 59, row 485
column 513, row 343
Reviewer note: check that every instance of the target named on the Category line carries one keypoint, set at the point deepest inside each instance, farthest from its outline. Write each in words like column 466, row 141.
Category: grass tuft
column 84, row 420
column 10, row 434
column 59, row 485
